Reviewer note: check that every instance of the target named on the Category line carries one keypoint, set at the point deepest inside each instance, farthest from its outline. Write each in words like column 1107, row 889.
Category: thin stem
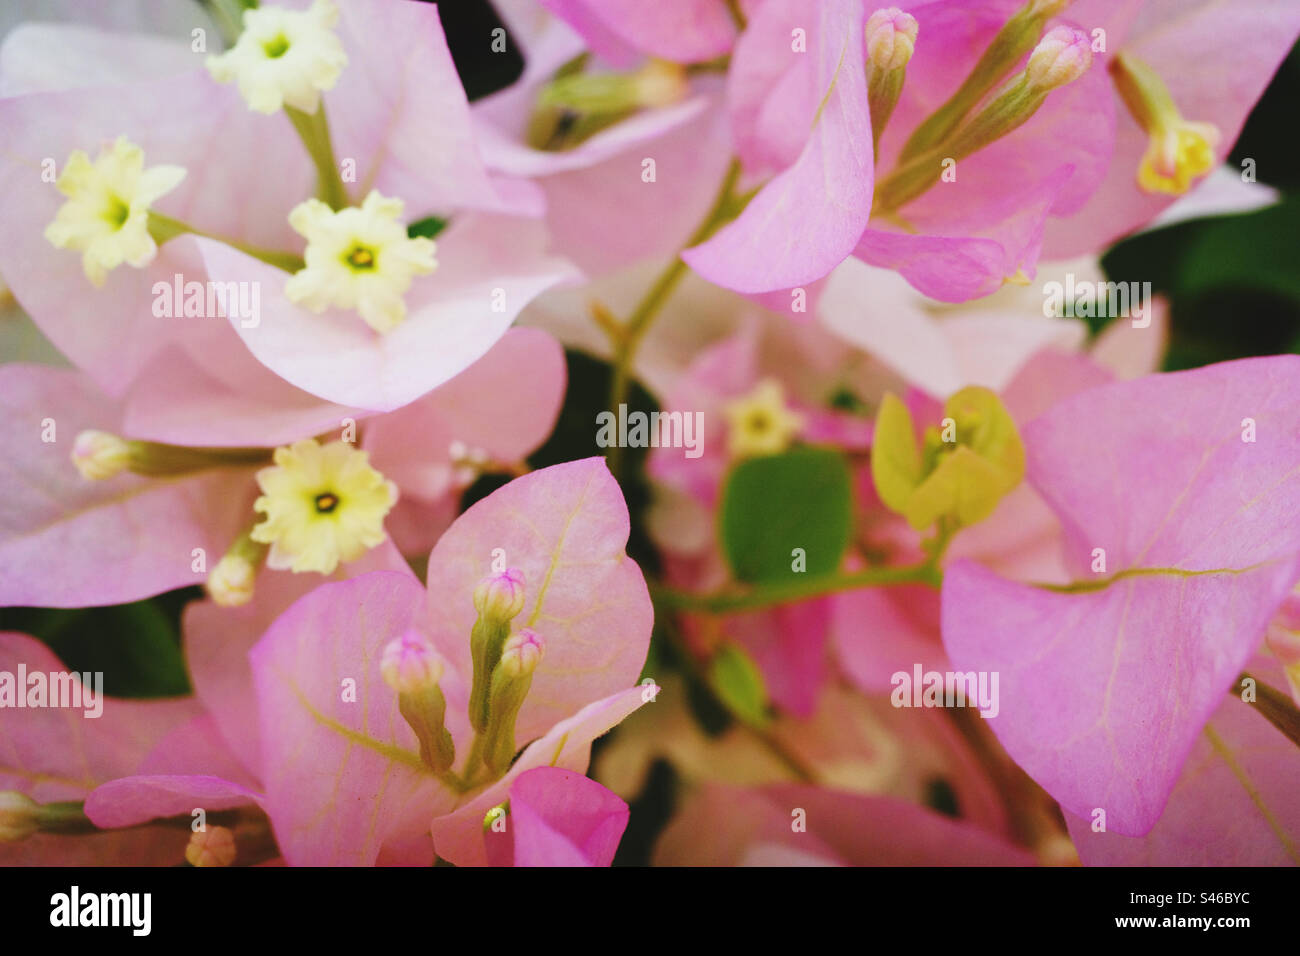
column 1031, row 812
column 1276, row 707
column 630, row 334
column 164, row 228
column 788, row 758
column 737, row 14
column 787, row 593
column 314, row 130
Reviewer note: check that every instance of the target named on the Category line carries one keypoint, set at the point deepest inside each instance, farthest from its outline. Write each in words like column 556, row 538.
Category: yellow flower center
column 276, row 47
column 760, row 423
column 358, row 258
column 323, row 505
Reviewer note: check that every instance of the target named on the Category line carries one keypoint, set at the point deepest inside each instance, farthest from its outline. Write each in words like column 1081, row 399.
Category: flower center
column 276, row 47
column 360, row 258
column 116, row 212
column 326, row 502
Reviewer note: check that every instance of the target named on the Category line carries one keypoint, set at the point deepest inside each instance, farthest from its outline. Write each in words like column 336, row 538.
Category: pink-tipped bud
column 1062, row 56
column 891, row 38
column 410, row 664
column 500, row 596
column 99, row 455
column 213, row 846
column 20, row 816
column 522, row 652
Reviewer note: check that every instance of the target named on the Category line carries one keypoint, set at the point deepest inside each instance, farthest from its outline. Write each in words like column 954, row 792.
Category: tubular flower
column 284, row 57
column 323, row 505
column 358, row 258
column 106, row 217
column 1179, row 152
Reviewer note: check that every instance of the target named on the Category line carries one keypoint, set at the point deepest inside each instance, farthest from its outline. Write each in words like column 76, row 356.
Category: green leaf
column 738, row 683
column 135, row 646
column 775, row 504
column 427, row 227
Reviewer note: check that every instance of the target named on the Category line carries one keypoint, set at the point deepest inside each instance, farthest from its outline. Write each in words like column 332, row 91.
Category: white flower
column 106, row 217
column 284, row 57
column 358, row 258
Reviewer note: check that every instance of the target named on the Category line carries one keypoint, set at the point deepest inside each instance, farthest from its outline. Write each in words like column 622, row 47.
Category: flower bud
column 500, row 596
column 511, row 680
column 1062, row 56
column 212, row 846
column 891, row 38
column 413, row 668
column 231, row 582
column 20, row 816
column 100, row 455
column 410, row 664
column 522, row 653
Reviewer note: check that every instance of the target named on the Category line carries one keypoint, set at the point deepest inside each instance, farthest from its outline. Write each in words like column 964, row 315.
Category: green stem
column 694, row 671
column 164, row 228
column 314, row 130
column 772, row 595
column 634, row 329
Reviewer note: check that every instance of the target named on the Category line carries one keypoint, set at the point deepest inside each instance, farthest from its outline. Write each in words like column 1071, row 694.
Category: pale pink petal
column 722, row 826
column 939, row 353
column 488, row 270
column 1199, row 49
column 112, row 331
column 341, row 770
column 808, row 218
column 43, row 57
column 504, row 405
column 458, row 837
column 687, row 31
column 399, row 112
column 1131, row 351
column 1104, row 691
column 1234, row 804
column 177, row 400
column 62, row 753
column 111, row 541
column 565, row 528
column 217, row 641
column 881, row 631
column 561, row 818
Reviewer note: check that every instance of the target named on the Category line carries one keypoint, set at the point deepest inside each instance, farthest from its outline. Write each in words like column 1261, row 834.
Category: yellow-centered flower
column 106, row 216
column 358, row 258
column 760, row 423
column 284, row 57
column 323, row 505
